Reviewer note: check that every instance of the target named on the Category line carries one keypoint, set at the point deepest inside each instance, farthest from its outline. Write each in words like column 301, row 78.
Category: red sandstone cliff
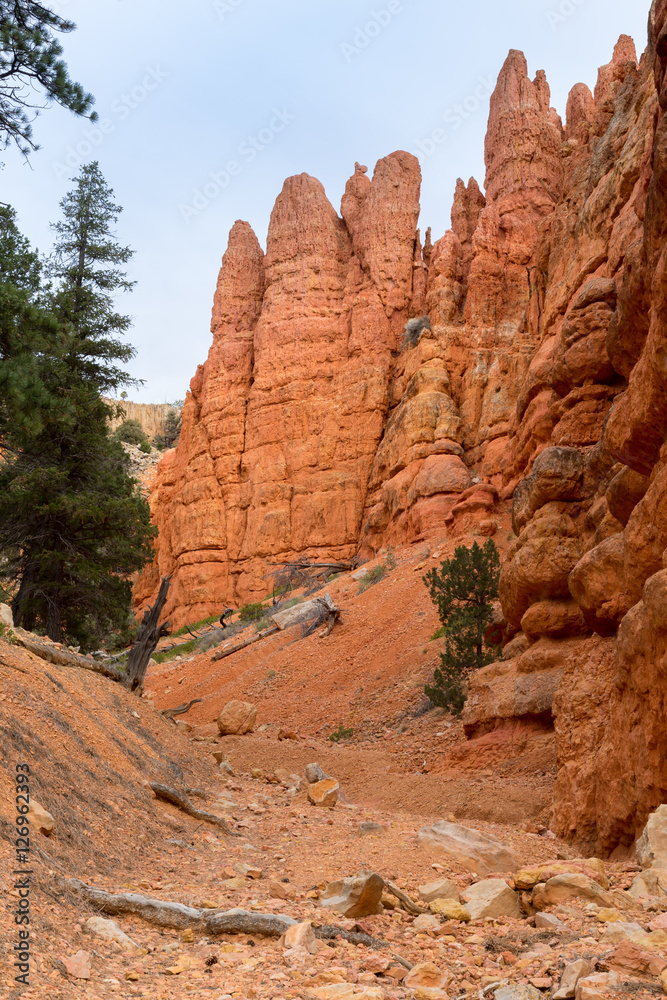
column 533, row 365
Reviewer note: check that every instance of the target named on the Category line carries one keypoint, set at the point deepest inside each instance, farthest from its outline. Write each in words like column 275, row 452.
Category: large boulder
column 237, row 718
column 652, row 845
column 6, row 616
column 477, row 852
column 562, row 888
column 359, row 896
column 492, row 897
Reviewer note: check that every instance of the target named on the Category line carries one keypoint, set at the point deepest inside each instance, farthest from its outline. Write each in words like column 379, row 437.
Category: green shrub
column 342, row 733
column 145, row 447
column 463, row 590
column 378, row 572
column 252, row 612
column 7, row 634
column 170, row 654
column 131, row 432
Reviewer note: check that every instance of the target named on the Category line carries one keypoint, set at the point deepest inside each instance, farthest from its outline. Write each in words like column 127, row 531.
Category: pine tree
column 462, row 591
column 29, row 62
column 73, row 524
column 29, row 333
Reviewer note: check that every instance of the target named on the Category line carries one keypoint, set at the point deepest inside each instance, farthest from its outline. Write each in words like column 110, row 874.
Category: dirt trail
column 93, row 749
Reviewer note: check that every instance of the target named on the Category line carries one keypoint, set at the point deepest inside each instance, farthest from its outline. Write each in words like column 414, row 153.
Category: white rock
column 6, row 616
column 491, row 898
column 479, row 853
column 652, row 882
column 109, row 930
column 652, row 845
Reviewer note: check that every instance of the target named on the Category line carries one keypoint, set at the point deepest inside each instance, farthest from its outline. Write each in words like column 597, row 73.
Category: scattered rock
column 359, row 896
column 40, row 819
column 324, row 793
column 237, row 718
column 78, row 966
column 596, row 986
column 659, row 923
column 630, row 957
column 491, row 898
column 425, row 922
column 450, row 909
column 347, row 991
column 300, row 936
column 109, row 930
column 652, row 845
column 571, row 976
column 479, row 853
column 622, row 931
column 548, row 921
column 426, row 974
column 314, row 773
column 282, row 890
column 518, row 991
column 444, row 888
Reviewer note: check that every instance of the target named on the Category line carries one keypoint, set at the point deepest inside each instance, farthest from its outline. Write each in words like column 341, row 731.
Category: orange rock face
column 365, row 389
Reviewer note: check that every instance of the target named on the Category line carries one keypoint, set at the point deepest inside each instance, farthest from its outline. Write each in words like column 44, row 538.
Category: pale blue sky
column 186, row 87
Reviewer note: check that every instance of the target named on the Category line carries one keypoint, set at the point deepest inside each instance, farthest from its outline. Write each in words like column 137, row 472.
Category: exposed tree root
column 171, row 795
column 180, row 917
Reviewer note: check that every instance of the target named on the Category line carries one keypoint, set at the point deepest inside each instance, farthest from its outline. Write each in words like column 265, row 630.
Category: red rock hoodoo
column 363, row 389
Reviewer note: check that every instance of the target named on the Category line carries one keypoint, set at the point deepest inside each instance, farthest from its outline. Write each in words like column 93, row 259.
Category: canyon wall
column 365, row 388
column 151, row 416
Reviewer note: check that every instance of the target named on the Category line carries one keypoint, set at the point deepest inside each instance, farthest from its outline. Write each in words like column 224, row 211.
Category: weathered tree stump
column 148, row 636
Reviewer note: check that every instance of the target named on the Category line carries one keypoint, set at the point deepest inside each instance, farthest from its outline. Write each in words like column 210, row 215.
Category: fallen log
column 228, row 650
column 181, row 917
column 65, row 657
column 168, row 794
column 178, row 916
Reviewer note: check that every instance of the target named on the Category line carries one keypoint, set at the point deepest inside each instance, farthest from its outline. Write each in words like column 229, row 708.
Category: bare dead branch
column 182, row 802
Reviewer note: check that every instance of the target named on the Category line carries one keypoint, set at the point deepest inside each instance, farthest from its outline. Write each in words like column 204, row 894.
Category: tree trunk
column 148, row 636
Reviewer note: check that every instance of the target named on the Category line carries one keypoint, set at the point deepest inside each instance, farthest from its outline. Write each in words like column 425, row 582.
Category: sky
column 206, row 106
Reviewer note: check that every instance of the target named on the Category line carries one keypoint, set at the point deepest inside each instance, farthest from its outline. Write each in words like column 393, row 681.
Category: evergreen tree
column 30, row 62
column 29, row 334
column 462, row 591
column 73, row 524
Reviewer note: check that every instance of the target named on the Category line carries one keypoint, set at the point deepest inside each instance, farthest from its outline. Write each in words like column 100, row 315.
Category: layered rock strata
column 321, row 424
column 587, row 468
column 363, row 388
